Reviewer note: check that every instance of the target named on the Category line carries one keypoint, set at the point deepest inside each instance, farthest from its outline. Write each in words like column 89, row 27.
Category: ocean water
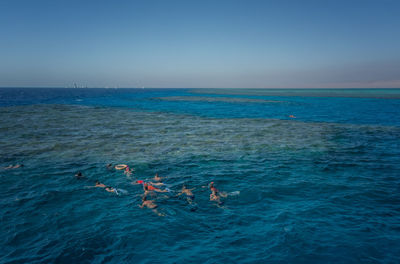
column 323, row 187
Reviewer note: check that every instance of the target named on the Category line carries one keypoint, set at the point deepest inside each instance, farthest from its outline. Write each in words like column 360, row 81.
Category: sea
column 311, row 175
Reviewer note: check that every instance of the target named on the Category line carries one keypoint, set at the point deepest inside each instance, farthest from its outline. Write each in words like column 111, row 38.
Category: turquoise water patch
column 325, row 107
column 310, row 192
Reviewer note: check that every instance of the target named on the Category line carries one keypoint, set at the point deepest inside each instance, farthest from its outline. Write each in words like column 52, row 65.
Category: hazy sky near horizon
column 210, row 44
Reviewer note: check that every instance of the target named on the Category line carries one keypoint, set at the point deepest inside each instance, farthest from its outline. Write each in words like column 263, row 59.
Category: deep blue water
column 323, row 187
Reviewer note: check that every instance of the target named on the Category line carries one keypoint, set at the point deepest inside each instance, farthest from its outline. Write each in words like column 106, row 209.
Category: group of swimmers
column 150, row 188
column 156, row 185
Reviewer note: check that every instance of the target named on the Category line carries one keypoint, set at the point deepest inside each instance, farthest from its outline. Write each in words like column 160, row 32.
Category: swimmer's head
column 211, row 185
column 97, row 182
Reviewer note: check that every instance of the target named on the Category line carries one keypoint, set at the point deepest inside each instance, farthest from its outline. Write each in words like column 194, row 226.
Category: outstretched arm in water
column 156, row 183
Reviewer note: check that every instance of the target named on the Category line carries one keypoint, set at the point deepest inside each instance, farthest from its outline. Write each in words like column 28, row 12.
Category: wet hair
column 97, row 182
column 78, row 174
column 109, row 164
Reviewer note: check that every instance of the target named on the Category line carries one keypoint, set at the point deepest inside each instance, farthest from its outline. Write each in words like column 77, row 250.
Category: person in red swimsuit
column 147, row 186
column 216, row 194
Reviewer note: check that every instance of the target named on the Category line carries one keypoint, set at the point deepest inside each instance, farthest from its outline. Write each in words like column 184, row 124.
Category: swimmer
column 79, row 175
column 107, row 188
column 188, row 193
column 14, row 166
column 292, row 116
column 215, row 197
column 111, row 189
column 146, row 188
column 109, row 166
column 216, row 191
column 149, row 187
column 101, row 185
column 157, row 178
column 216, row 194
column 150, row 204
column 128, row 171
column 152, row 183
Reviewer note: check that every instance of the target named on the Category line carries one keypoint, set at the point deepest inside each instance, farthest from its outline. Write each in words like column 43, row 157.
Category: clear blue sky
column 167, row 43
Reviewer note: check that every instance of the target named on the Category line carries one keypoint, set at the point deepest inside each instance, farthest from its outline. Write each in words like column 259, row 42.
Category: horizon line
column 259, row 88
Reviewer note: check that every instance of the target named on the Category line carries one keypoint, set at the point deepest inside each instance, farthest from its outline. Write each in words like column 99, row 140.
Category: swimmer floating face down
column 148, row 186
column 151, row 205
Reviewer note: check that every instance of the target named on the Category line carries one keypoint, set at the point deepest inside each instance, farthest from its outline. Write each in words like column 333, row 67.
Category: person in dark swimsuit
column 150, row 204
column 188, row 193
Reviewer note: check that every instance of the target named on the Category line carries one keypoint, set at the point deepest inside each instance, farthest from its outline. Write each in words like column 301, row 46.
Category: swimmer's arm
column 141, row 206
column 156, row 183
